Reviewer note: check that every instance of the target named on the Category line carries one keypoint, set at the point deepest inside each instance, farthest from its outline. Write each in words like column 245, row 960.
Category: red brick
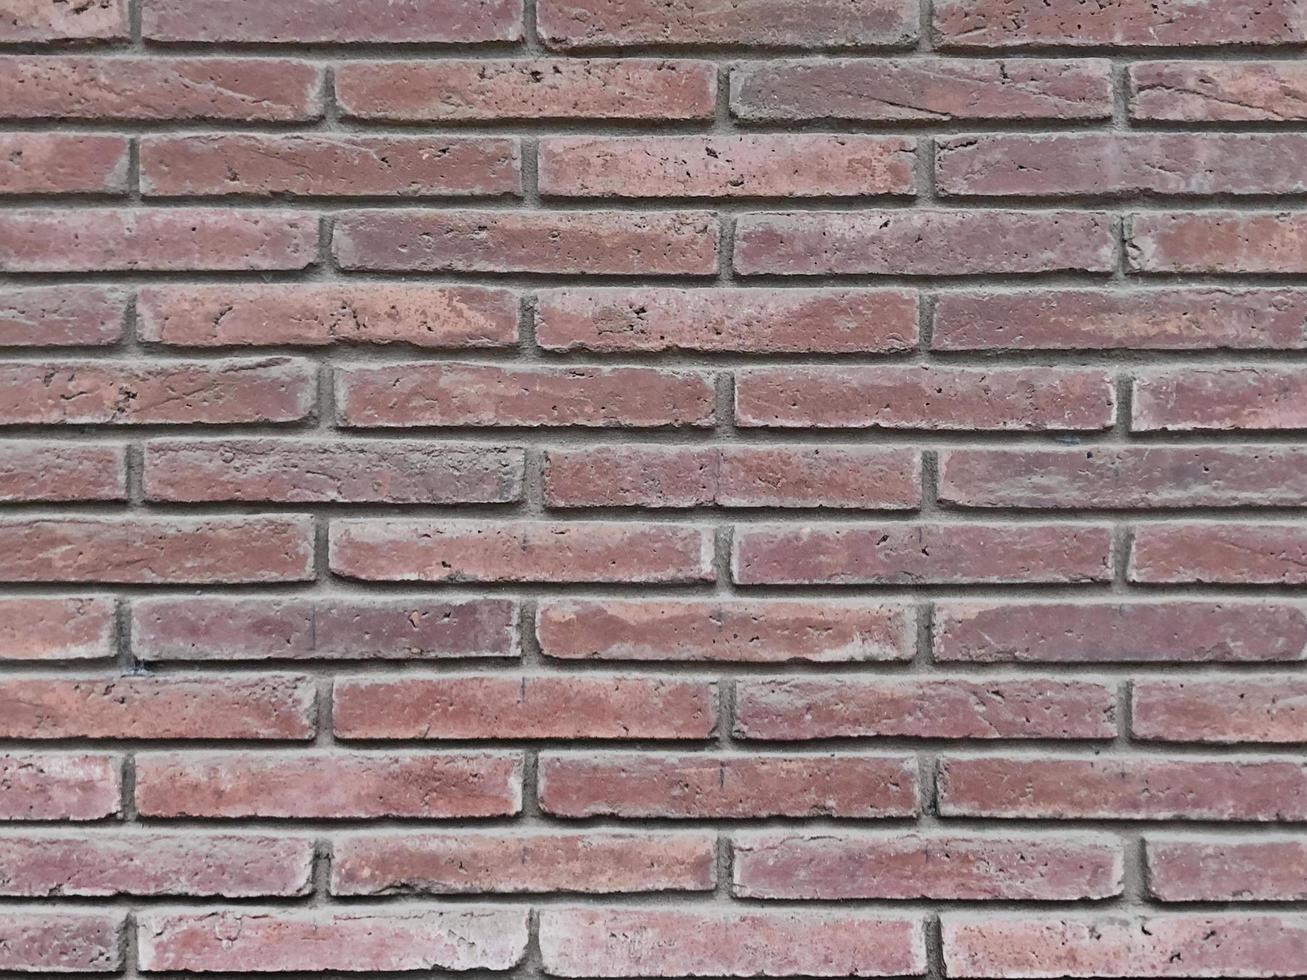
column 141, row 392
column 329, row 785
column 1117, row 632
column 322, row 314
column 923, row 242
column 62, row 163
column 329, row 166
column 571, row 24
column 1132, row 788
column 1221, row 712
column 373, row 941
column 732, row 476
column 1019, row 165
column 526, row 89
column 727, row 631
column 330, row 628
column 1218, row 91
column 56, row 629
column 106, row 865
column 921, row 554
column 156, row 550
column 520, row 551
column 41, row 20
column 59, row 786
column 1117, row 946
column 268, row 706
column 1187, row 318
column 495, row 395
column 717, row 786
column 46, row 941
column 328, row 22
column 61, row 471
column 596, row 243
column 175, row 240
column 1233, row 554
column 61, row 316
column 526, row 707
column 915, row 866
column 312, row 471
column 1221, row 398
column 1186, row 870
column 753, row 321
column 463, row 863
column 159, row 88
column 1121, row 23
column 1134, row 477
column 924, row 397
column 1218, row 242
column 917, row 90
column 660, row 942
column 798, row 708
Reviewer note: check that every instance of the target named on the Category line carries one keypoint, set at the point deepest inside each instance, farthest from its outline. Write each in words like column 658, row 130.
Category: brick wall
column 613, row 488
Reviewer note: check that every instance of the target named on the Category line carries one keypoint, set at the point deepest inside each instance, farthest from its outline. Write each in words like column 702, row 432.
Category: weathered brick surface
column 60, row 786
column 35, row 472
column 1185, row 870
column 1215, row 92
column 36, row 628
column 61, row 942
column 1218, row 242
column 61, row 316
column 52, row 163
column 37, row 20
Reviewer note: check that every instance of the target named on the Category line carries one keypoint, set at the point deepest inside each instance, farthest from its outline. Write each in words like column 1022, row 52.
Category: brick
column 1220, row 398
column 1218, row 91
column 919, row 90
column 39, row 20
column 175, row 240
column 1131, row 788
column 329, row 785
column 1119, row 23
column 526, row 89
column 1234, row 554
column 923, row 243
column 158, row 88
column 61, row 316
column 142, row 392
column 1119, row 632
column 1217, row 242
column 149, row 864
column 1059, row 164
column 47, row 941
column 54, row 471
column 56, row 629
column 1117, row 946
column 329, row 166
column 210, row 707
column 1188, row 318
column 60, row 786
column 526, row 707
column 728, row 787
column 797, row 709
column 925, row 866
column 520, row 551
column 62, row 163
column 323, row 314
column 750, row 321
column 924, row 397
column 921, row 554
column 495, row 395
column 1132, row 477
column 1220, row 712
column 375, row 941
column 536, row 862
column 732, row 476
column 661, row 942
column 727, row 631
column 156, row 550
column 586, row 24
column 1185, row 870
column 327, row 22
column 603, row 243
column 329, row 628
column 311, row 471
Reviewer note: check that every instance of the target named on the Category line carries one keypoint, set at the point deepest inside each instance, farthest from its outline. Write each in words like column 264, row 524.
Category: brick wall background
column 602, row 488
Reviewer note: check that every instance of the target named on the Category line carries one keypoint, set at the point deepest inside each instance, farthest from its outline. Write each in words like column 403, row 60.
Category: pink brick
column 34, row 628
column 1255, row 710
column 61, row 316
column 1219, row 91
column 1220, row 398
column 1229, row 553
column 48, row 941
column 60, row 163
column 1200, row 870
column 52, row 472
column 60, row 786
column 1218, row 242
column 40, row 20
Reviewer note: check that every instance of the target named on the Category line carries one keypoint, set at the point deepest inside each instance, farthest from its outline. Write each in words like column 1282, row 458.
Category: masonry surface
column 632, row 488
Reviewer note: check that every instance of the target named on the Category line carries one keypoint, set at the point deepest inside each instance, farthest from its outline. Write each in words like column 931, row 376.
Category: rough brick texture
column 653, row 488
